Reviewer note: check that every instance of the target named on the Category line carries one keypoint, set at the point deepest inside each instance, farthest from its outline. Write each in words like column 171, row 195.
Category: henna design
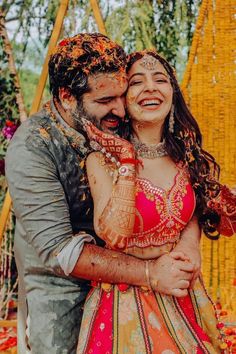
column 118, row 147
column 117, row 220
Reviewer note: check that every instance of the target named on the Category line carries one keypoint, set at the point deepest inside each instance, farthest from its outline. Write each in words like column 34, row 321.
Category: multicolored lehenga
column 131, row 320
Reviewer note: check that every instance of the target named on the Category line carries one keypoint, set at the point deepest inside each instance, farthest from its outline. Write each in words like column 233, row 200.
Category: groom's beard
column 80, row 112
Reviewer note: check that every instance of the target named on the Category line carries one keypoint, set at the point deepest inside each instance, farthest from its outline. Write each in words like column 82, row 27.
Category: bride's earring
column 172, row 119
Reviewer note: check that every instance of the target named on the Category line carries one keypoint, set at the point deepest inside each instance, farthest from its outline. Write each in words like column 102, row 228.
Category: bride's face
column 149, row 95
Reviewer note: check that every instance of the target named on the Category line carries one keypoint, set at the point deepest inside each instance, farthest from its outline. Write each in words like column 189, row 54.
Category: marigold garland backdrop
column 209, row 87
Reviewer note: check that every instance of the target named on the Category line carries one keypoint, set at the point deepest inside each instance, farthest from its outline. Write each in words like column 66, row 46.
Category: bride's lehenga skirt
column 141, row 322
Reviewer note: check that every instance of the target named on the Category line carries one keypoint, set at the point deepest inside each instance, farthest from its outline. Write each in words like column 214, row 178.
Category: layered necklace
column 149, row 151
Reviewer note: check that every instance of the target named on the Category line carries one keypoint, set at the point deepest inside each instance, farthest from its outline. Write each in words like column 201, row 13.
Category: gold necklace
column 149, row 151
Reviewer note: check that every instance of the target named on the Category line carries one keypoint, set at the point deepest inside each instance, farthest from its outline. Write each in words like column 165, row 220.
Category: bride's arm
column 189, row 244
column 114, row 200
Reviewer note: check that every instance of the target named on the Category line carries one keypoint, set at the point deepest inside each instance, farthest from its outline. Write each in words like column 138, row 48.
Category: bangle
column 148, row 275
column 154, row 285
column 125, row 170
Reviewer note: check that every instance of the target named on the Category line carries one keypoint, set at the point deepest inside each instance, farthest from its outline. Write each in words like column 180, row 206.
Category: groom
column 56, row 249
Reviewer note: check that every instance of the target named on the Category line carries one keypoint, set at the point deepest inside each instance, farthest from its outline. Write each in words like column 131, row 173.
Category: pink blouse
column 161, row 214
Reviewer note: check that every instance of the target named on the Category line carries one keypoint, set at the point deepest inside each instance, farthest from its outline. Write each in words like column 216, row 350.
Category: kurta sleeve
column 39, row 201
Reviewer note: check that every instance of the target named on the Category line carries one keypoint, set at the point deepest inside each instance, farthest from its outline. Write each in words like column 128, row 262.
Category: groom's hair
column 75, row 58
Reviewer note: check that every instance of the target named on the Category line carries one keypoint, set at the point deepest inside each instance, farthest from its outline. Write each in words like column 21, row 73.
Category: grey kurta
column 51, row 200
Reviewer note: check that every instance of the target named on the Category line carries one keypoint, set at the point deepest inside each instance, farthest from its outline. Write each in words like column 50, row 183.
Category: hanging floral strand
column 12, row 111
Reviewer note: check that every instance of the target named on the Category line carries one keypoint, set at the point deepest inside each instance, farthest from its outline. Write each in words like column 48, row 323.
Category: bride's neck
column 147, row 133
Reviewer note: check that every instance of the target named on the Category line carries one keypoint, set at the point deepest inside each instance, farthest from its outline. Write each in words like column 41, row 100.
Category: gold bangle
column 154, row 285
column 148, row 275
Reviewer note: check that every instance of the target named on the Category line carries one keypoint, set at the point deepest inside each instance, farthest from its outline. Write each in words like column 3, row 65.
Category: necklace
column 149, row 151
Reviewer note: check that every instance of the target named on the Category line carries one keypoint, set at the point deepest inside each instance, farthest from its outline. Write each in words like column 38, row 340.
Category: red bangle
column 131, row 161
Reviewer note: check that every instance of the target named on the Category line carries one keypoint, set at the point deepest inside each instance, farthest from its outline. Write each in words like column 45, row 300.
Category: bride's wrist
column 152, row 283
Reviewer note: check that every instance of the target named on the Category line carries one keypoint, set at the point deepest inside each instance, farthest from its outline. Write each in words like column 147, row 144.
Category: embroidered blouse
column 161, row 214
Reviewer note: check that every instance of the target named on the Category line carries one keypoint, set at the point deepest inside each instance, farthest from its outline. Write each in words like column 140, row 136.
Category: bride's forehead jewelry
column 149, row 62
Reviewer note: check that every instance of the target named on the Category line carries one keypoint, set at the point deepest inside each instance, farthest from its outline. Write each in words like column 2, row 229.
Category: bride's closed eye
column 135, row 82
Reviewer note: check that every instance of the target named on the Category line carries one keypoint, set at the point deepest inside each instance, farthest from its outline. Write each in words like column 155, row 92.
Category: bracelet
column 154, row 285
column 125, row 170
column 148, row 275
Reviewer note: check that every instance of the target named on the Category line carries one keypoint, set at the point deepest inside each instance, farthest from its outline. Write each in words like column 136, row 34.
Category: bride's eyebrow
column 153, row 74
column 136, row 74
column 160, row 73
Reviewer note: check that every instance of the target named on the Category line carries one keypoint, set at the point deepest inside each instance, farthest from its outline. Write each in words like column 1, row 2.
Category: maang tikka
column 172, row 119
column 149, row 62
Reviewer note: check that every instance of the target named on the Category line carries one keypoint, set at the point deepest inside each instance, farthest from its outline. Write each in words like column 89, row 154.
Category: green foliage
column 30, row 17
column 165, row 25
column 132, row 25
column 175, row 23
column 34, row 21
column 29, row 81
column 50, row 11
column 79, row 18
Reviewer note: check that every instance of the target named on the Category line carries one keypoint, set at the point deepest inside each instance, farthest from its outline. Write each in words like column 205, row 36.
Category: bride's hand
column 108, row 143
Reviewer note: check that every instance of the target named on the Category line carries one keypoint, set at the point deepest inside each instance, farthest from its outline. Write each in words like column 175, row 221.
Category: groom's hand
column 171, row 274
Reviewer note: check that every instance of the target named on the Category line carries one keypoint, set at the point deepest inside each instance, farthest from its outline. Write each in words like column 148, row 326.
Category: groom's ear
column 64, row 94
column 67, row 100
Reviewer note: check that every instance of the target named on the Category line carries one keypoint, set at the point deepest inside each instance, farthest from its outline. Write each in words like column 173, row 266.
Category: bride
column 147, row 193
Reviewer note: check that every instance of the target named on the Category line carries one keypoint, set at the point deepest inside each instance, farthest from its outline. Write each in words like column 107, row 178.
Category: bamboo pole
column 54, row 38
column 4, row 214
column 37, row 99
column 98, row 17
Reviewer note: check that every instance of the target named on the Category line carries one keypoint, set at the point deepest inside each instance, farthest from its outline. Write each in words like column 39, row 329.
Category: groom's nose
column 119, row 107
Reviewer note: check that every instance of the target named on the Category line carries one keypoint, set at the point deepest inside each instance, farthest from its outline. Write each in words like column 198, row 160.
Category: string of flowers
column 11, row 109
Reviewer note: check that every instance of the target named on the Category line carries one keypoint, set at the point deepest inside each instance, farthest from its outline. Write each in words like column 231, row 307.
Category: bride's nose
column 150, row 85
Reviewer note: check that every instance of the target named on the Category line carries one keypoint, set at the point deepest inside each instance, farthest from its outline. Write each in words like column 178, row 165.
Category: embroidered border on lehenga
column 142, row 321
column 168, row 322
column 190, row 327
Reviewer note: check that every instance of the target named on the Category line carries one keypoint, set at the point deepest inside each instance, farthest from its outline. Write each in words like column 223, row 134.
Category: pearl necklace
column 149, row 151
